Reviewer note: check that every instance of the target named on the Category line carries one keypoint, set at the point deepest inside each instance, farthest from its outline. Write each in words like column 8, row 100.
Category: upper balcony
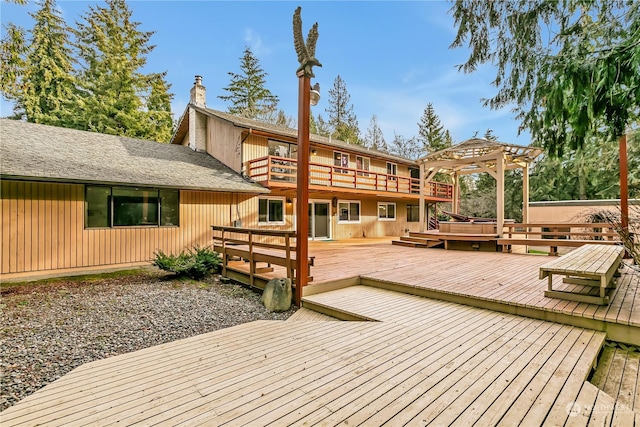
column 280, row 172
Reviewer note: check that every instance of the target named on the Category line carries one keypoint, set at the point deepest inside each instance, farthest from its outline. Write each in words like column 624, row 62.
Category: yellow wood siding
column 43, row 228
column 254, row 147
column 223, row 142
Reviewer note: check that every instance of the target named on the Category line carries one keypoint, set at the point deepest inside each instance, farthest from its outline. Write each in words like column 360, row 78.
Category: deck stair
column 616, row 375
column 419, row 240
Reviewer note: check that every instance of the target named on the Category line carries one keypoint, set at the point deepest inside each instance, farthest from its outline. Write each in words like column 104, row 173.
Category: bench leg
column 550, row 281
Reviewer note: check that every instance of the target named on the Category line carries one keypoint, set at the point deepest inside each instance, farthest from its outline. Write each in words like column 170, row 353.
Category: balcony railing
column 273, row 170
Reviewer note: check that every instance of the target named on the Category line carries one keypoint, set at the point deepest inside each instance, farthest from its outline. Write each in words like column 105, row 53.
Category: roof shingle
column 35, row 151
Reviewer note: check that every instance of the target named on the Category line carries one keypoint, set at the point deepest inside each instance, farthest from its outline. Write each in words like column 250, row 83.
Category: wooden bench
column 553, row 244
column 590, row 265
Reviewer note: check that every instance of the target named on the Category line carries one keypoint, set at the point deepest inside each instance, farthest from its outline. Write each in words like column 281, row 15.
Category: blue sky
column 393, row 56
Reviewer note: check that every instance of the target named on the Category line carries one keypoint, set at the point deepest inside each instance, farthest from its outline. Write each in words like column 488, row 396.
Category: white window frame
column 341, row 165
column 366, row 165
column 386, row 205
column 284, row 211
column 350, row 221
column 394, row 171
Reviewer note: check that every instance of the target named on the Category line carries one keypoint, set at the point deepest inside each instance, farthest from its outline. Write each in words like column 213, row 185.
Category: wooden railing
column 273, row 169
column 568, row 231
column 257, row 246
column 554, row 235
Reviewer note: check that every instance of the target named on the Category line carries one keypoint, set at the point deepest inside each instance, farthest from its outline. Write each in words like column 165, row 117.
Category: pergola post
column 525, row 193
column 456, row 192
column 500, row 193
column 423, row 184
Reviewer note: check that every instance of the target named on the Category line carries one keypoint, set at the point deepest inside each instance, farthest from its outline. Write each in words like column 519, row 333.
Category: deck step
column 305, row 315
column 418, row 242
column 616, row 374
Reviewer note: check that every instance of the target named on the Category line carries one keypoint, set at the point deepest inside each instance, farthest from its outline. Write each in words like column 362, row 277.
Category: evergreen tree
column 158, row 108
column 581, row 79
column 321, row 126
column 49, row 86
column 247, row 92
column 342, row 119
column 431, row 133
column 375, row 138
column 13, row 48
column 39, row 72
column 113, row 51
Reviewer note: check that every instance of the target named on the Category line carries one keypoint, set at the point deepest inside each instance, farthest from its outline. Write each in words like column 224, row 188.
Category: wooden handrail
column 237, row 241
column 262, row 169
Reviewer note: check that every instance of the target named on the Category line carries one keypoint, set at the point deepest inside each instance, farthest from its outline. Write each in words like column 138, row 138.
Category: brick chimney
column 198, row 93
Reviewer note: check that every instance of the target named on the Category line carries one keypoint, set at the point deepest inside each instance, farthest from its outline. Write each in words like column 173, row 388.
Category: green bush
column 194, row 263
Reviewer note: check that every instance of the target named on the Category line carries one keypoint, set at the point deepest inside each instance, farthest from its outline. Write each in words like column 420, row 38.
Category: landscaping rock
column 276, row 296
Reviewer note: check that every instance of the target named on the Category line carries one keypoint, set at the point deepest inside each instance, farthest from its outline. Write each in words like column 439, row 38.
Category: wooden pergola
column 478, row 155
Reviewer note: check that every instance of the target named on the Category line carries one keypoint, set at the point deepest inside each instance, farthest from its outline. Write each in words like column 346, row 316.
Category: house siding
column 43, row 228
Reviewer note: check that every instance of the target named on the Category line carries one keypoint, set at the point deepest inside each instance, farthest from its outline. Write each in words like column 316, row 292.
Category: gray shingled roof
column 246, row 123
column 34, row 151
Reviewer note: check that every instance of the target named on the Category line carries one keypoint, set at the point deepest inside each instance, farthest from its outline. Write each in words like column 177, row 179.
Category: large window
column 387, row 211
column 130, row 207
column 362, row 164
column 271, row 211
column 341, row 159
column 283, row 149
column 348, row 211
column 392, row 169
column 413, row 213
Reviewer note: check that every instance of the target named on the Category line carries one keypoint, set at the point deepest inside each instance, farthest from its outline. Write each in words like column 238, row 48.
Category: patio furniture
column 588, row 266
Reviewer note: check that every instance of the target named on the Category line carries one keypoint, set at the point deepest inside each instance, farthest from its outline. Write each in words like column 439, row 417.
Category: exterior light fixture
column 314, row 97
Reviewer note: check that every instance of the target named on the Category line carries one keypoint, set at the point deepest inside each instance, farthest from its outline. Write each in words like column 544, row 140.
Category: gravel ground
column 50, row 328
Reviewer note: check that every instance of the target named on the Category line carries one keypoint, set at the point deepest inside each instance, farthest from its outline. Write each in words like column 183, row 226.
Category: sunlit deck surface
column 494, row 280
column 410, row 360
column 422, row 361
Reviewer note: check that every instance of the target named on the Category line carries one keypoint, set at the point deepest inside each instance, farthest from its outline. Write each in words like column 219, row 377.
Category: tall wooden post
column 624, row 185
column 500, row 194
column 525, row 193
column 421, row 208
column 302, row 191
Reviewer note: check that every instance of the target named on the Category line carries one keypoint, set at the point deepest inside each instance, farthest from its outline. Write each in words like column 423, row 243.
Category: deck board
column 421, row 359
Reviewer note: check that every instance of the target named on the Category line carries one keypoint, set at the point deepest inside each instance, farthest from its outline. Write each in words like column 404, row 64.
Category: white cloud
column 254, row 41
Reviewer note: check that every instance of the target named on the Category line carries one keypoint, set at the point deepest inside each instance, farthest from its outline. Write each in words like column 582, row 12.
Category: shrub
column 194, row 263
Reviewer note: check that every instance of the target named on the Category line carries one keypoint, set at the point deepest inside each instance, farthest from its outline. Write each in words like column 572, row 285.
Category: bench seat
column 593, row 265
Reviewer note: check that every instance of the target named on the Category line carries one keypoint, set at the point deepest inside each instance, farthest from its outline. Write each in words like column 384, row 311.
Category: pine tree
column 113, row 90
column 39, row 75
column 342, row 119
column 158, row 109
column 49, row 85
column 12, row 53
column 374, row 138
column 321, row 126
column 431, row 133
column 247, row 92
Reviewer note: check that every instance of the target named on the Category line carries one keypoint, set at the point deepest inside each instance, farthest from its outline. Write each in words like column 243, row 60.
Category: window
column 283, row 149
column 362, row 164
column 387, row 211
column 341, row 159
column 392, row 169
column 271, row 211
column 348, row 211
column 130, row 207
column 413, row 213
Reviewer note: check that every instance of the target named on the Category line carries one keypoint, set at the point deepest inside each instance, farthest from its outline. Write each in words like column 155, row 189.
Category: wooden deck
column 421, row 362
column 409, row 360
